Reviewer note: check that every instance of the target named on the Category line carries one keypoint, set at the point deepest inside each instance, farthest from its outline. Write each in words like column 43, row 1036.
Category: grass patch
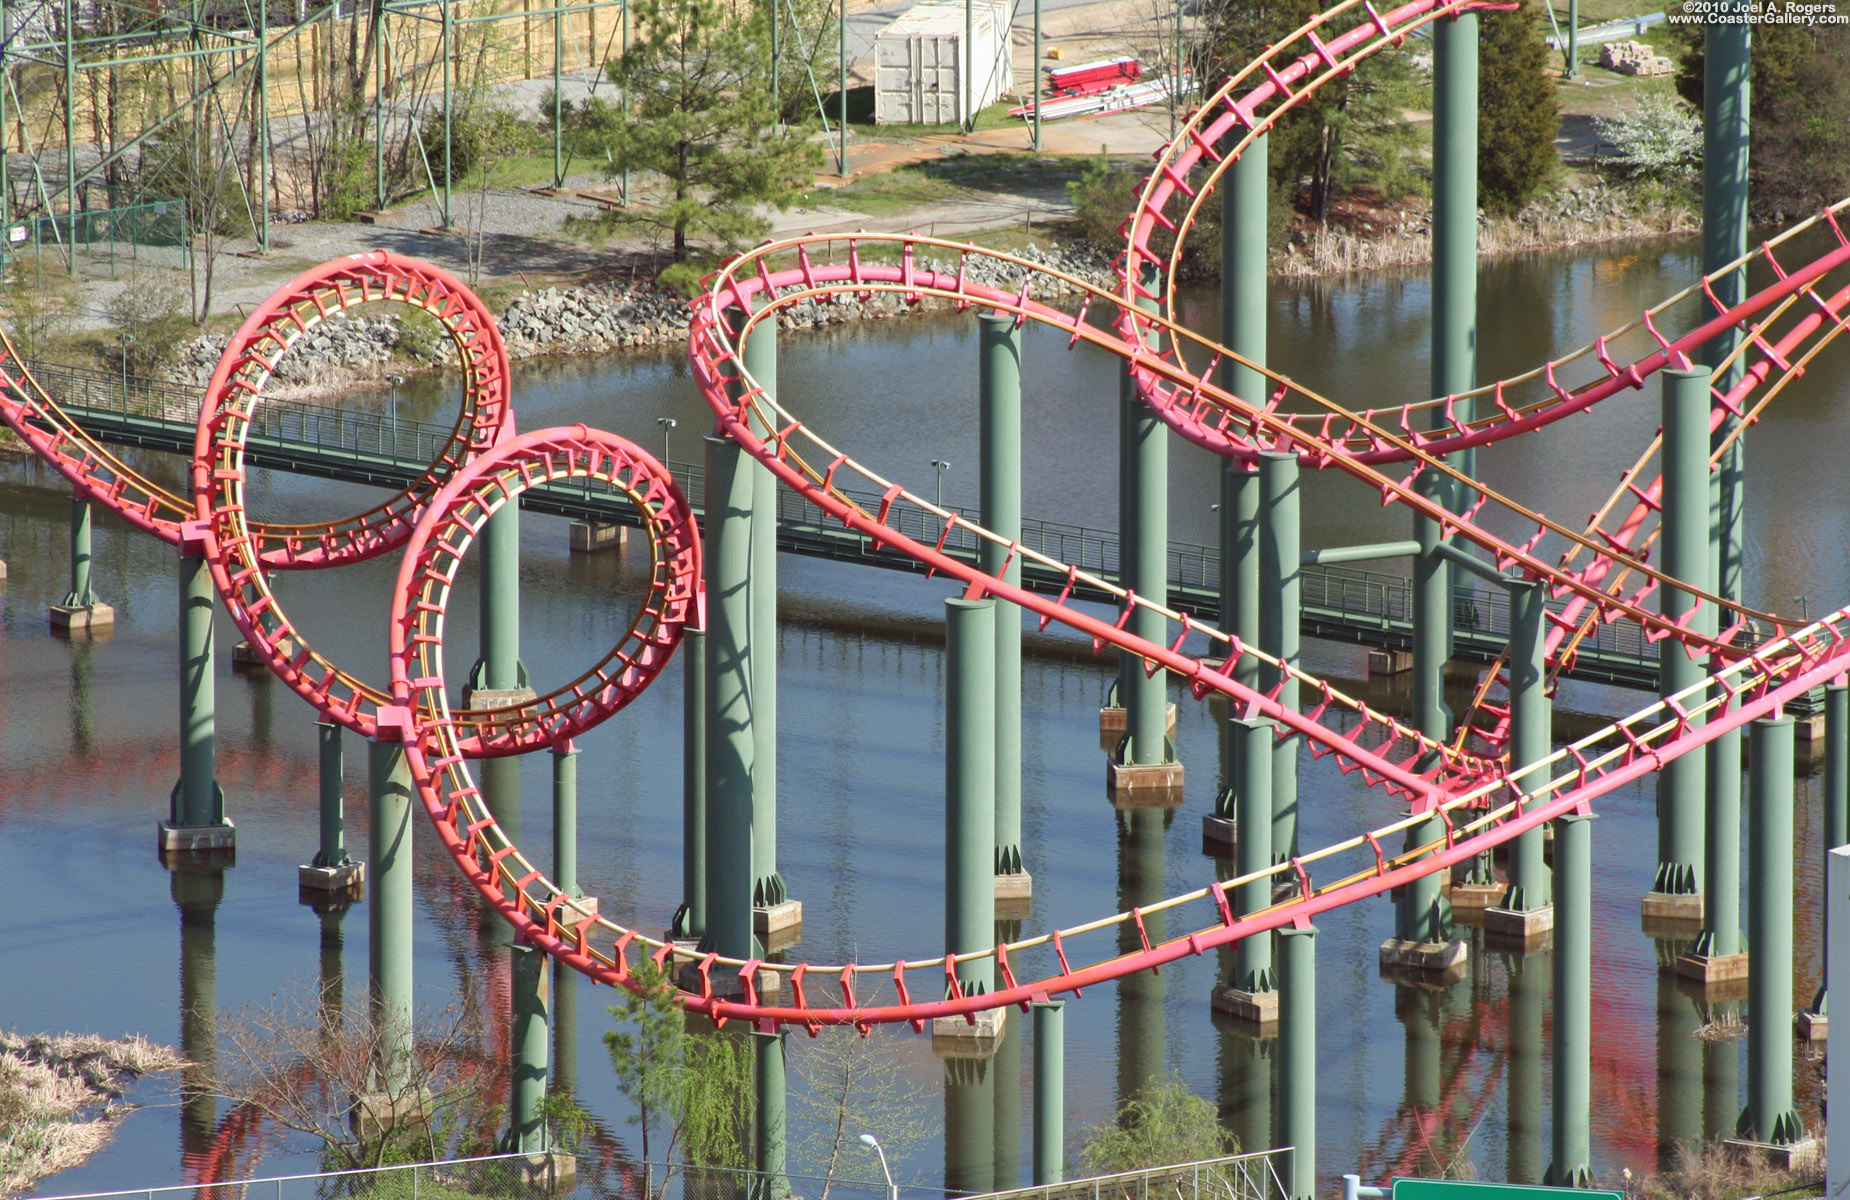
column 961, row 177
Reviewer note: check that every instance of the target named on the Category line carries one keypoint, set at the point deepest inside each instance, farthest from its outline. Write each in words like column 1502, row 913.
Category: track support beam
column 999, row 415
column 333, row 869
column 970, row 808
column 1297, row 1068
column 196, row 809
column 1573, row 1004
column 80, row 609
column 1049, row 1091
column 389, row 908
column 1770, row 1115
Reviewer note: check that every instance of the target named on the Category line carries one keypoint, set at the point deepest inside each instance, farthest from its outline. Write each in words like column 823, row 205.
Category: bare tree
column 853, row 1085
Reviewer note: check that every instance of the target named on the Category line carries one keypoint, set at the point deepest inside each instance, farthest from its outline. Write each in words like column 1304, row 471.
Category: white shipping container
column 919, row 60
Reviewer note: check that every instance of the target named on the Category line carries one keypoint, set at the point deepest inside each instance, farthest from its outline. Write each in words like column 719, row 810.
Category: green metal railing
column 110, row 236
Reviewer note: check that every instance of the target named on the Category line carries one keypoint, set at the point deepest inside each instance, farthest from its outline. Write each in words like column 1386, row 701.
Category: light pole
column 125, row 339
column 1804, row 603
column 941, row 465
column 667, row 424
column 392, row 408
column 892, row 1189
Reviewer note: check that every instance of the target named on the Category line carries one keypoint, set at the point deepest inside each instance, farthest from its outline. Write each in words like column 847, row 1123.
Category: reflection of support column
column 970, row 807
column 1280, row 574
column 690, row 920
column 388, row 910
column 1419, row 1012
column 1573, row 1003
column 1049, row 1091
column 1837, row 968
column 499, row 678
column 564, row 1030
column 196, row 819
column 526, row 1132
column 334, row 870
column 1813, row 1023
column 1251, row 996
column 1246, row 1062
column 1142, row 868
column 1526, row 916
column 1239, row 600
column 1770, row 1116
column 1676, row 890
column 1721, row 1074
column 196, row 892
column 1144, row 762
column 969, row 1126
column 81, row 610
column 999, row 403
column 1007, row 1065
column 1679, row 1070
column 1297, row 1066
column 730, row 744
column 1528, row 1008
column 768, row 1116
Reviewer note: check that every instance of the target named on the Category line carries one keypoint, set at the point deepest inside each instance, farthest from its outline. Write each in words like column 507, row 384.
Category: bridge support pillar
column 1526, row 917
column 1251, row 996
column 196, row 818
column 1144, row 767
column 389, row 908
column 526, row 1132
column 1280, row 590
column 81, row 611
column 999, row 403
column 776, row 918
column 768, row 1116
column 1573, row 1003
column 333, row 869
column 1813, row 1023
column 499, row 677
column 970, row 808
column 1049, row 1091
column 690, row 920
column 1297, row 1068
column 1677, row 889
column 730, row 745
column 1770, row 1116
column 1239, row 617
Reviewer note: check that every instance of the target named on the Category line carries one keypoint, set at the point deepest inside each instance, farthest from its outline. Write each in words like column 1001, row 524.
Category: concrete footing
column 82, row 618
column 1256, row 1009
column 1389, row 662
column 349, row 876
column 1709, row 970
column 1806, row 1154
column 1525, row 930
column 1810, row 1026
column 1219, row 836
column 1144, row 785
column 1014, row 896
column 1422, row 963
column 590, row 537
column 1677, row 907
column 956, row 1037
column 196, row 839
column 1470, row 900
column 376, row 1112
column 244, row 656
column 545, row 1170
column 488, row 699
column 779, row 926
column 1113, row 724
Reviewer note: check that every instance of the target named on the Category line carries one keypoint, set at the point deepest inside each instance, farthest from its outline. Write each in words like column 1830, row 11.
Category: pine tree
column 1518, row 113
column 701, row 117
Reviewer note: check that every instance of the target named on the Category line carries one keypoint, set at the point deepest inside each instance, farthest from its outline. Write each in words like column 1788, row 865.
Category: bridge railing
column 1256, row 1176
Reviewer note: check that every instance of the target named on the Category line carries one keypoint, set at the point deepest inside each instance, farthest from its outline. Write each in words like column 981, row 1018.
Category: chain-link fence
column 101, row 241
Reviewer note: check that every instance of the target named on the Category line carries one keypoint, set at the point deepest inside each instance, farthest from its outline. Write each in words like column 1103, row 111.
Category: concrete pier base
column 1014, row 896
column 956, row 1037
column 1144, row 785
column 1810, row 1025
column 1389, row 662
column 196, row 839
column 244, row 656
column 1423, row 964
column 591, row 537
column 779, row 926
column 1219, row 836
column 82, row 618
column 350, row 876
column 1711, row 970
column 1673, row 907
column 546, row 1170
column 488, row 699
column 1258, row 1011
column 376, row 1112
column 1470, row 901
column 1113, row 724
column 1526, row 930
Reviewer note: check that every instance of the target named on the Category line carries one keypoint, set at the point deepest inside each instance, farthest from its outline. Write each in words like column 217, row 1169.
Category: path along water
column 87, row 743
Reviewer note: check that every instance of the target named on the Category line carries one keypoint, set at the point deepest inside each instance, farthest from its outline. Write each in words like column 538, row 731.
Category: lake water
column 103, row 939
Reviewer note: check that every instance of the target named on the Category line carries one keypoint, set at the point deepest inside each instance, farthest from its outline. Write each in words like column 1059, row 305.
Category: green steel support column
column 565, row 817
column 1770, row 1116
column 1297, row 1036
column 1573, row 1003
column 558, row 99
column 1239, row 614
column 333, row 851
column 1528, row 1008
column 768, row 891
column 388, row 908
column 1280, row 584
column 730, row 743
column 1253, row 848
column 1836, row 811
column 1531, row 737
column 378, row 36
column 1685, row 542
column 690, row 922
column 768, row 1116
column 81, row 593
column 1243, row 270
column 1454, row 212
column 1049, row 1091
column 526, row 1132
column 1721, row 908
column 564, row 1013
column 263, row 126
column 70, row 131
column 197, row 801
column 999, row 404
column 1143, row 540
column 499, row 669
column 1034, row 76
column 1726, row 87
column 449, row 140
column 970, row 788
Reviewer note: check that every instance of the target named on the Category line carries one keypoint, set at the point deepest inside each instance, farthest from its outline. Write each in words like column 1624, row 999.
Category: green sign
column 1456, row 1189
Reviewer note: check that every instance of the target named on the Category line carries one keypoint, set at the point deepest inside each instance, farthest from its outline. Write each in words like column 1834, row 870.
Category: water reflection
column 1142, row 871
column 197, row 891
column 1530, row 979
column 1679, row 1069
column 969, row 1123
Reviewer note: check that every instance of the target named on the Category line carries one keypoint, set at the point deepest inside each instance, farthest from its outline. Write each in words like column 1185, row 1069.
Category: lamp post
column 941, row 465
column 392, row 408
column 1804, row 603
column 667, row 424
column 124, row 339
column 892, row 1189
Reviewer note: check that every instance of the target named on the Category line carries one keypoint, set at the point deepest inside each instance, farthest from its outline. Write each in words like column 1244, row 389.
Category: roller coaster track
column 1480, row 801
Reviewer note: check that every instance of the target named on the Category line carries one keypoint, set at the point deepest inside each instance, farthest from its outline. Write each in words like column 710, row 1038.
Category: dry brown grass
column 1710, row 1172
column 60, row 1097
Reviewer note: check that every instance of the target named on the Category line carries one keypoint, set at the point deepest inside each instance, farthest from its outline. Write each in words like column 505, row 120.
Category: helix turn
column 1597, row 573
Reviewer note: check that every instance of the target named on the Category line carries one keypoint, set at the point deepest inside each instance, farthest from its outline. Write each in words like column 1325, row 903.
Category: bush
column 1660, row 140
column 151, row 311
column 1163, row 1123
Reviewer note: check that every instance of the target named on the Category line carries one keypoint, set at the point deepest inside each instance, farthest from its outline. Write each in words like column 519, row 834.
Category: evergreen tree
column 701, row 116
column 1518, row 113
